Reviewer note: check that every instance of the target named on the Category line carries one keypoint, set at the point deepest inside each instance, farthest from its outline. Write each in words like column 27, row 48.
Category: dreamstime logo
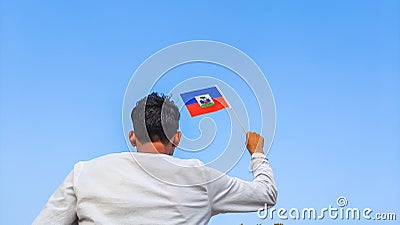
column 157, row 69
column 342, row 201
column 331, row 212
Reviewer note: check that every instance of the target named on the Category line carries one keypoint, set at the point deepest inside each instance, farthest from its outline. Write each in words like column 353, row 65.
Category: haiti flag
column 204, row 101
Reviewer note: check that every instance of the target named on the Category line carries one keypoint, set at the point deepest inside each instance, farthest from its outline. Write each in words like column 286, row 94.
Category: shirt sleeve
column 61, row 207
column 231, row 194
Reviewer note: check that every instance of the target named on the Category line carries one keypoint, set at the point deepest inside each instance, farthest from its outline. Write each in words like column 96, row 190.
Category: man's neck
column 154, row 148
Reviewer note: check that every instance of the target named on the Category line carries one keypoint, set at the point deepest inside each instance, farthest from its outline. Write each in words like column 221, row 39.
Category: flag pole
column 237, row 118
column 234, row 112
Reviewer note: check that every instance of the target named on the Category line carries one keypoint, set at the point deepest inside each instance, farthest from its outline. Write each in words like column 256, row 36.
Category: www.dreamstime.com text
column 341, row 212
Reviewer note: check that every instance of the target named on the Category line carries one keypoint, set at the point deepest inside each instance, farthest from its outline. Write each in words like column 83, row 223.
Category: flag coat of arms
column 206, row 100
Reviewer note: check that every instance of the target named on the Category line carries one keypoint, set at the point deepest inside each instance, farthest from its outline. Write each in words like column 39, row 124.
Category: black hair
column 155, row 118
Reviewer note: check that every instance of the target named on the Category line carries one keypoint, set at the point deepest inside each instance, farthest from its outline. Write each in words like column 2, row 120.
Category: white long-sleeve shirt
column 146, row 188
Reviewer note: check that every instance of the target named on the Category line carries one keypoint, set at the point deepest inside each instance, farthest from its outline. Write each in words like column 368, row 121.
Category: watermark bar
column 330, row 212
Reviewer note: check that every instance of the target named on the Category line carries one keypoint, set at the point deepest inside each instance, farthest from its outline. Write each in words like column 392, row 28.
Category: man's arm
column 231, row 194
column 61, row 207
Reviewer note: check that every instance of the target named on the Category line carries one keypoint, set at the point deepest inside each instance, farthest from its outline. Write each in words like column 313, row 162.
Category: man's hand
column 254, row 142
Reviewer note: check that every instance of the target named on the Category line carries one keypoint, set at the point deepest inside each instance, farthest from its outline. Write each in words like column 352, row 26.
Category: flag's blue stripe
column 191, row 101
column 188, row 97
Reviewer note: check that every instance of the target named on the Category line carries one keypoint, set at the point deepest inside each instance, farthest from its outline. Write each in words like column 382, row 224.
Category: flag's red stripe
column 195, row 109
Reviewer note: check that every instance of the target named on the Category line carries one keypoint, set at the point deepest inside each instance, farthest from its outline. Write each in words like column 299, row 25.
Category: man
column 152, row 187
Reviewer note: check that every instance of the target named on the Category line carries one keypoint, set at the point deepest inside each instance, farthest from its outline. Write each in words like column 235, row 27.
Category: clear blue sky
column 333, row 67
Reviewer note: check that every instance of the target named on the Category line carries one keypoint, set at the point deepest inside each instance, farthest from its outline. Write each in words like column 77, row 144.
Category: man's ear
column 176, row 139
column 132, row 138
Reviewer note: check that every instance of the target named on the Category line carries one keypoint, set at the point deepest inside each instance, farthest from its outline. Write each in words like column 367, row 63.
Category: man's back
column 117, row 189
column 121, row 189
